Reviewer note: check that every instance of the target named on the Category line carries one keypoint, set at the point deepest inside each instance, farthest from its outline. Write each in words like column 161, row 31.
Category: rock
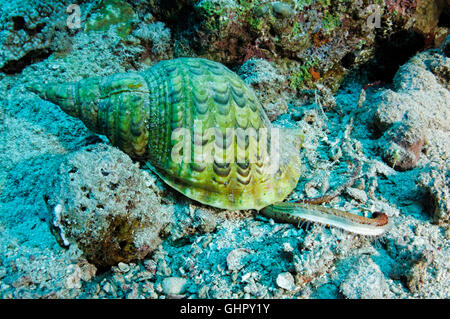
column 108, row 288
column 390, row 108
column 150, row 265
column 435, row 182
column 411, row 76
column 100, row 201
column 314, row 41
column 235, row 259
column 403, row 146
column 155, row 37
column 87, row 270
column 358, row 194
column 123, row 267
column 30, row 31
column 428, row 13
column 285, row 280
column 416, row 116
column 174, row 285
column 205, row 221
column 269, row 85
column 112, row 14
column 440, row 67
column 83, row 271
column 417, row 274
column 73, row 281
column 282, row 9
column 365, row 281
column 428, row 276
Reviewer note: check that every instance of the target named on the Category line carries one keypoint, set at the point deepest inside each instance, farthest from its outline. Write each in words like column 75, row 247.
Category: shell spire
column 59, row 94
column 115, row 106
column 77, row 99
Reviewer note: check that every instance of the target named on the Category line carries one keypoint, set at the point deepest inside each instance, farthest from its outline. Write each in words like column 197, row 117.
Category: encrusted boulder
column 402, row 146
column 104, row 204
column 435, row 184
column 269, row 85
column 30, row 31
column 414, row 117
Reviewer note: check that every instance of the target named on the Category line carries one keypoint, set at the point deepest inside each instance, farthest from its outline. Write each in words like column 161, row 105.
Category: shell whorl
column 139, row 113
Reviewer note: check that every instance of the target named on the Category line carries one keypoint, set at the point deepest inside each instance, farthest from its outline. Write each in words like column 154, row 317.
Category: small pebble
column 87, row 271
column 174, row 285
column 288, row 248
column 73, row 281
column 207, row 221
column 123, row 267
column 246, row 277
column 108, row 288
column 235, row 258
column 357, row 194
column 285, row 280
column 150, row 265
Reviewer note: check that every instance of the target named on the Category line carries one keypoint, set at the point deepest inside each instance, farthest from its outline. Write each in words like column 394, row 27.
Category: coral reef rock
column 435, row 183
column 365, row 280
column 104, row 204
column 318, row 41
column 415, row 116
column 431, row 269
column 155, row 37
column 30, row 31
column 269, row 86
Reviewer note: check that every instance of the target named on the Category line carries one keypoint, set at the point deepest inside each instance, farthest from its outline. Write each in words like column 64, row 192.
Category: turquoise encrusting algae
column 140, row 112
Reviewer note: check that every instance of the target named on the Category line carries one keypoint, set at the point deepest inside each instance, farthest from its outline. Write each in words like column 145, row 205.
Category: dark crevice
column 123, row 244
column 444, row 19
column 16, row 66
column 447, row 49
column 390, row 54
column 182, row 19
column 180, row 15
column 39, row 27
column 393, row 52
column 348, row 60
column 18, row 23
column 375, row 132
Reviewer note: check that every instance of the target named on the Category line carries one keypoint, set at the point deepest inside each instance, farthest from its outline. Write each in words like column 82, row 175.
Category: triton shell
column 149, row 115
